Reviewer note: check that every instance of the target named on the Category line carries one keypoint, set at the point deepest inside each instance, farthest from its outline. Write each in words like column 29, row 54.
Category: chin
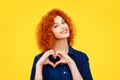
column 63, row 37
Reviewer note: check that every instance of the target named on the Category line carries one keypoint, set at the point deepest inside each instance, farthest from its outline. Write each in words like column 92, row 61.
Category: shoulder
column 83, row 55
column 80, row 54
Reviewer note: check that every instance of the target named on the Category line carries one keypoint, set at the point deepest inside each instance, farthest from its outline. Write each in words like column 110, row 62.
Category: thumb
column 51, row 63
column 58, row 62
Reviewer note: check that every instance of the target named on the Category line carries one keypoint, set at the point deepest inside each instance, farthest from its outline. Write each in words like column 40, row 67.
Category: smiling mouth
column 64, row 31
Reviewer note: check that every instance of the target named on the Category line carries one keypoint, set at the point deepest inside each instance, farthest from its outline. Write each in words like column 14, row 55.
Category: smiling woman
column 58, row 61
column 43, row 31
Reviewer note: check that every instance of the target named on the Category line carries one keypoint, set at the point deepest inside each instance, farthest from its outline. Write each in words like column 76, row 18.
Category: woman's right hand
column 45, row 60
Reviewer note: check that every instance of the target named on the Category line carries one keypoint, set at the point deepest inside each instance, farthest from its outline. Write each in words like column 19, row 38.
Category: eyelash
column 55, row 26
column 63, row 22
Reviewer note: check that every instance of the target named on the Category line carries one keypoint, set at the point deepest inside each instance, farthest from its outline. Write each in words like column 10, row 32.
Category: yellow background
column 98, row 35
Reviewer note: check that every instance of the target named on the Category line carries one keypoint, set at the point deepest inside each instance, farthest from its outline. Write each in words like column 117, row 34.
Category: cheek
column 66, row 25
column 55, row 32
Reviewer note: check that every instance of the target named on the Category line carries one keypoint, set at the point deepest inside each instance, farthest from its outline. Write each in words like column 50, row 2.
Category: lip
column 64, row 31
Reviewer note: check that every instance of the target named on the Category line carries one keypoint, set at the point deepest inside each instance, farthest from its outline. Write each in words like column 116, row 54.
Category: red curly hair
column 44, row 35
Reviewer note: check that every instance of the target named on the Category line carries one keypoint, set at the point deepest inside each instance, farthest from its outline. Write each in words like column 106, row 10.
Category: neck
column 61, row 46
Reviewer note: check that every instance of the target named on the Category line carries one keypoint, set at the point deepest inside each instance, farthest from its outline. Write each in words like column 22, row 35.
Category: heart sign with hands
column 64, row 58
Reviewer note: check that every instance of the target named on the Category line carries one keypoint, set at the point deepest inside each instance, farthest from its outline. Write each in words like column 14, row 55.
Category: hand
column 64, row 58
column 45, row 60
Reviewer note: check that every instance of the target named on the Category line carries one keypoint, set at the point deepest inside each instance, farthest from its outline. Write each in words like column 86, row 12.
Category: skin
column 61, row 33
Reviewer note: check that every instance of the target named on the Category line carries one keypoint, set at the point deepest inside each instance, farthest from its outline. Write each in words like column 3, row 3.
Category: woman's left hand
column 64, row 58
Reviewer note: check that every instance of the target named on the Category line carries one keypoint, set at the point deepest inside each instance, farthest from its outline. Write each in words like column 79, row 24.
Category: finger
column 62, row 55
column 49, row 52
column 54, row 56
column 52, row 52
column 58, row 62
column 59, row 55
column 51, row 63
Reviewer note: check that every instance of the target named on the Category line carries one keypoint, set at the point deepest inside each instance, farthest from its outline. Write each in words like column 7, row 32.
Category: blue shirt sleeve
column 85, row 71
column 32, row 77
column 33, row 71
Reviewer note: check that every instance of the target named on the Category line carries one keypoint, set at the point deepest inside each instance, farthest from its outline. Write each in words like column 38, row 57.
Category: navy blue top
column 62, row 71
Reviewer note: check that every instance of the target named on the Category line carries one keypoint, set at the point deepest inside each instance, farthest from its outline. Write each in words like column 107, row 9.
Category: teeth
column 64, row 31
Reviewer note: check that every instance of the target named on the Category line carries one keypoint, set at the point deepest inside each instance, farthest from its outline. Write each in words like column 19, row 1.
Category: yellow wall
column 98, row 35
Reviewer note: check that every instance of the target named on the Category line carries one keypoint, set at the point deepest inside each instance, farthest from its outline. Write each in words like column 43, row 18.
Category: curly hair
column 45, row 37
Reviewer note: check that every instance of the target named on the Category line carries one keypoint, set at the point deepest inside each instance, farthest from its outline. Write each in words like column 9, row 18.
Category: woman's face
column 60, row 28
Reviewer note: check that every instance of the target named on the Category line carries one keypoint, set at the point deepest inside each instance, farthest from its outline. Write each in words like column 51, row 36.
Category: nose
column 62, row 26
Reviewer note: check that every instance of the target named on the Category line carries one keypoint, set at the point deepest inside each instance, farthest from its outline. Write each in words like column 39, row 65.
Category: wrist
column 71, row 63
column 39, row 67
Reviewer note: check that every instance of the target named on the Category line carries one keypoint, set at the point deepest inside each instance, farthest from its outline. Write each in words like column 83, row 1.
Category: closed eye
column 63, row 21
column 55, row 26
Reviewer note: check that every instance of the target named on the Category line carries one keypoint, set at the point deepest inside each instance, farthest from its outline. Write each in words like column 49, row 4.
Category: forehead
column 58, row 19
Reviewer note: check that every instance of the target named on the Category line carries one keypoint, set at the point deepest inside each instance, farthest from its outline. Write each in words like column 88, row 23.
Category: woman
column 58, row 61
